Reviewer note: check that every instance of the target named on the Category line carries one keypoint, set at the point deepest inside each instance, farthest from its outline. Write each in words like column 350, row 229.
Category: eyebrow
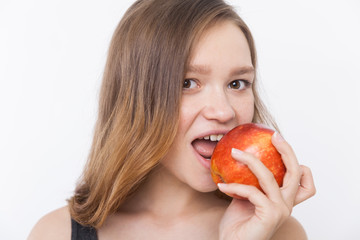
column 204, row 69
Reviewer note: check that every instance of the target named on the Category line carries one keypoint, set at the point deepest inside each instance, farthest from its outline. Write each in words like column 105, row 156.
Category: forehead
column 222, row 44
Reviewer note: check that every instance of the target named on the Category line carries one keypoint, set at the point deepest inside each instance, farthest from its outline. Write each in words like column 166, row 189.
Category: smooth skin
column 177, row 200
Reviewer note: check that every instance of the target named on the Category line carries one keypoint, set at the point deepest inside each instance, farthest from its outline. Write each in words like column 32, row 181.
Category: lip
column 203, row 161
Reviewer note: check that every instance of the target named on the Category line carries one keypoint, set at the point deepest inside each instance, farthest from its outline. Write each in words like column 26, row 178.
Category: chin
column 204, row 186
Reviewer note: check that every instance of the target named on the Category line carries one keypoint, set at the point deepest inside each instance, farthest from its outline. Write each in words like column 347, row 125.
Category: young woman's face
column 217, row 96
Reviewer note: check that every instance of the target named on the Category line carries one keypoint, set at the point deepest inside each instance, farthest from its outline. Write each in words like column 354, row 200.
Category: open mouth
column 205, row 146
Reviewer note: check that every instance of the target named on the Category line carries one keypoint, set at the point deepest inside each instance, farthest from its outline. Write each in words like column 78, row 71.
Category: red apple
column 251, row 138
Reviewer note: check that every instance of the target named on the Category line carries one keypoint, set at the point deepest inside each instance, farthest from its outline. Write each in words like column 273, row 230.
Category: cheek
column 187, row 116
column 188, row 113
column 245, row 108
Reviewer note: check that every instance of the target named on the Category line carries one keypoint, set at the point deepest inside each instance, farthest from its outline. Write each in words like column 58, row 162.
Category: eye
column 189, row 84
column 239, row 84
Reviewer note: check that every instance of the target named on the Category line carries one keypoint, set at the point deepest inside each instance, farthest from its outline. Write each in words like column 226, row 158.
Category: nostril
column 219, row 110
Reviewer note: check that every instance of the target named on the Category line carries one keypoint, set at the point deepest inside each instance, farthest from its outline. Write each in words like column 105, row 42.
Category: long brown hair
column 140, row 99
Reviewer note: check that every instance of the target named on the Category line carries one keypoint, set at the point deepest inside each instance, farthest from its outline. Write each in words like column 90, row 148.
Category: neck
column 163, row 195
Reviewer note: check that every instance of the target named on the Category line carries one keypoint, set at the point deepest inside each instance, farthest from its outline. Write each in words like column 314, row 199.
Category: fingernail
column 236, row 152
column 221, row 185
column 278, row 137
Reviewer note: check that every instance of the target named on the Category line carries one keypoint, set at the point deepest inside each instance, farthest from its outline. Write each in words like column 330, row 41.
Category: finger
column 265, row 177
column 254, row 195
column 287, row 154
column 307, row 187
column 293, row 172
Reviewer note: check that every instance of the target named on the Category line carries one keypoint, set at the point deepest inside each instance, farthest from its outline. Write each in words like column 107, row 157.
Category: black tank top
column 80, row 232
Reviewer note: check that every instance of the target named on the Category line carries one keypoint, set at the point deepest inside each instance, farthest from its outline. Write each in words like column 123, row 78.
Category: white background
column 52, row 55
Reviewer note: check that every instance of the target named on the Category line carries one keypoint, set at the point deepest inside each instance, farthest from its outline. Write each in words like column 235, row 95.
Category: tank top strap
column 80, row 232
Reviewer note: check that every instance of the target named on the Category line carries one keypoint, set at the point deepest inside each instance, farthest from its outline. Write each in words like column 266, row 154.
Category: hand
column 262, row 213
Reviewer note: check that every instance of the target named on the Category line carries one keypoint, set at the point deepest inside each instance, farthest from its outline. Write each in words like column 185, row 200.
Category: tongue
column 204, row 147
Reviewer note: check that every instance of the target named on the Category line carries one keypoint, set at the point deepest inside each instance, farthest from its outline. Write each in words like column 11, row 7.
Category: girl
column 178, row 72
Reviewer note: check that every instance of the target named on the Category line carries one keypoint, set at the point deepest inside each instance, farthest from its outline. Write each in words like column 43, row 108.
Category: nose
column 218, row 107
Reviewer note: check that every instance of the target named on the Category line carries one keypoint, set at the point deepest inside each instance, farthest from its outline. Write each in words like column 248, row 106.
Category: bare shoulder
column 290, row 229
column 55, row 225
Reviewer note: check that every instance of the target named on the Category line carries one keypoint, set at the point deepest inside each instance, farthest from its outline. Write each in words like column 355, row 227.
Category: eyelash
column 245, row 82
column 190, row 80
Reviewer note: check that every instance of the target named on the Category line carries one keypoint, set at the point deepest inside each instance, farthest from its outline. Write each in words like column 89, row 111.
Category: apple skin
column 251, row 138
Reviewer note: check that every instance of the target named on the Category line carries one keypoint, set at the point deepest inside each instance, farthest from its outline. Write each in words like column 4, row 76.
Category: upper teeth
column 213, row 137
